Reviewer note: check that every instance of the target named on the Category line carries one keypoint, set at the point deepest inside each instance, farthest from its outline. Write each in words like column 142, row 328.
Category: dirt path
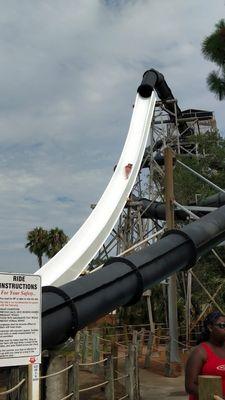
column 153, row 387
column 157, row 387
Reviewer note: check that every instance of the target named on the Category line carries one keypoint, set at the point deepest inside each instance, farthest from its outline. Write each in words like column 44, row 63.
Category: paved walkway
column 157, row 387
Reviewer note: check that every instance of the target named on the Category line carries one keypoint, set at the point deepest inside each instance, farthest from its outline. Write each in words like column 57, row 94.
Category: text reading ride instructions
column 20, row 315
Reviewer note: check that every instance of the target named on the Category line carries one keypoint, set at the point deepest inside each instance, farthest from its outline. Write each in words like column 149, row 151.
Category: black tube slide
column 122, row 281
column 153, row 79
column 157, row 210
column 216, row 200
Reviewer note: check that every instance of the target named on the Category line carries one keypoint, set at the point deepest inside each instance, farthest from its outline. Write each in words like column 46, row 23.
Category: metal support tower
column 132, row 228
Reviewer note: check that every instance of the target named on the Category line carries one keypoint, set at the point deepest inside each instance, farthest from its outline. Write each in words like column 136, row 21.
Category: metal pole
column 133, row 247
column 33, row 382
column 151, row 321
column 172, row 287
column 150, row 316
column 188, row 307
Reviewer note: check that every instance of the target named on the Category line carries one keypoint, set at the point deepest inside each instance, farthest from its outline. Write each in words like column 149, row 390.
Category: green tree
column 56, row 240
column 213, row 49
column 211, row 164
column 37, row 243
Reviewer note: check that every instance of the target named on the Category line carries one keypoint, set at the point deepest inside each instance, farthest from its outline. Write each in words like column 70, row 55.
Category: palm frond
column 216, row 85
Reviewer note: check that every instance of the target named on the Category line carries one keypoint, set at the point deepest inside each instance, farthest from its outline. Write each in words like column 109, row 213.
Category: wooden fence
column 110, row 363
column 109, row 354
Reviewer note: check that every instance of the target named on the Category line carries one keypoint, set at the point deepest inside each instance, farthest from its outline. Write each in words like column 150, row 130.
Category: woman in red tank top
column 208, row 358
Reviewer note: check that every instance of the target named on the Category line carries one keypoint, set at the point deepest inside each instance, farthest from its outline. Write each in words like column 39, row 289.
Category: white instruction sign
column 20, row 319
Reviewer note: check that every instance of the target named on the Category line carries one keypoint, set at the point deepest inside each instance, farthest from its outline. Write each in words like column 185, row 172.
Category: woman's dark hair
column 209, row 320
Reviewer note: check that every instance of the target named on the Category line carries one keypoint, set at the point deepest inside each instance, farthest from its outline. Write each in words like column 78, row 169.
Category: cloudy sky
column 69, row 72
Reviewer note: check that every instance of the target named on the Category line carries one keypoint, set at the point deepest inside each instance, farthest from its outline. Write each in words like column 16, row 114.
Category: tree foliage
column 188, row 189
column 37, row 243
column 210, row 164
column 45, row 243
column 213, row 49
column 56, row 240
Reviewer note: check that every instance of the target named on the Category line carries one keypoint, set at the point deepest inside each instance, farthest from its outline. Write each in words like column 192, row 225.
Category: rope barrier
column 186, row 346
column 117, row 372
column 68, row 396
column 159, row 362
column 161, row 337
column 124, row 397
column 118, row 334
column 56, row 373
column 105, row 340
column 121, row 344
column 13, row 388
column 119, row 357
column 119, row 378
column 93, row 363
column 93, row 387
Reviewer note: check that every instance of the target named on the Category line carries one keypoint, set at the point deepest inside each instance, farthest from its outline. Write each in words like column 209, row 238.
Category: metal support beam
column 172, row 287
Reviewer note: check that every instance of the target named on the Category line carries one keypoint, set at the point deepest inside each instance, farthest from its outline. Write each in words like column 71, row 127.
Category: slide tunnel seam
column 67, row 301
column 188, row 239
column 140, row 283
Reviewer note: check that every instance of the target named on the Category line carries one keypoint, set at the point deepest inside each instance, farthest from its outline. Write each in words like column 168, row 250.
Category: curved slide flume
column 75, row 256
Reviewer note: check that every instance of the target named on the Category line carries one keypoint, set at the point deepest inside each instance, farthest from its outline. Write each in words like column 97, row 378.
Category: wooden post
column 73, row 380
column 77, row 346
column 136, row 375
column 109, row 376
column 127, row 379
column 147, row 294
column 95, row 351
column 208, row 386
column 45, row 358
column 104, row 342
column 149, row 350
column 56, row 386
column 23, row 374
column 157, row 338
column 129, row 366
column 141, row 341
column 174, row 362
column 134, row 354
column 114, row 353
column 14, row 379
column 84, row 352
column 4, row 382
column 125, row 335
column 167, row 361
column 135, row 340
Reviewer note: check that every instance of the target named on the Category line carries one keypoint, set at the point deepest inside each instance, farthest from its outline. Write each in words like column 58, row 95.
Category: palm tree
column 56, row 240
column 213, row 49
column 37, row 243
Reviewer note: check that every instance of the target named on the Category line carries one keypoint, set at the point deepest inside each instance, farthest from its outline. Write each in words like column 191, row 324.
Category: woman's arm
column 193, row 369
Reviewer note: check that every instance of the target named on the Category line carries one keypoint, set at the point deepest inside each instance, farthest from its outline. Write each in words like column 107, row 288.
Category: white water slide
column 75, row 256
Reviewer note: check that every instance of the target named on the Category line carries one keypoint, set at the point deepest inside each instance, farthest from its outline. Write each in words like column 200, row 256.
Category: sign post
column 20, row 328
column 33, row 382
